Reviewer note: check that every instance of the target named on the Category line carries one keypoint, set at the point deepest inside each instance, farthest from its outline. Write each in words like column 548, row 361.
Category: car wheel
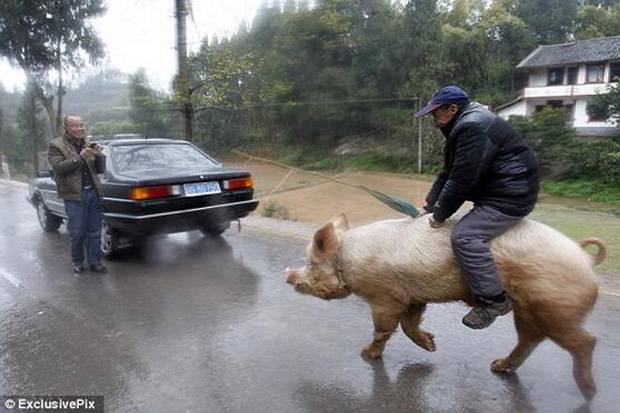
column 48, row 221
column 109, row 239
column 215, row 230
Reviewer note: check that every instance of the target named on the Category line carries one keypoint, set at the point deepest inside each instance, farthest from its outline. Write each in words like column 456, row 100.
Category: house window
column 595, row 73
column 614, row 72
column 555, row 76
column 571, row 75
column 555, row 103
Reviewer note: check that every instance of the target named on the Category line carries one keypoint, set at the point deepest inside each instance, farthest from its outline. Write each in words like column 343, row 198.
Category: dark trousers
column 470, row 242
column 84, row 225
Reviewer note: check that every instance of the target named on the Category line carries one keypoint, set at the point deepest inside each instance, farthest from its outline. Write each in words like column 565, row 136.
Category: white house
column 568, row 75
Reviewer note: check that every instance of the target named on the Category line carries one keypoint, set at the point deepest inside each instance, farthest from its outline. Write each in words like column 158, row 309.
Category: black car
column 155, row 186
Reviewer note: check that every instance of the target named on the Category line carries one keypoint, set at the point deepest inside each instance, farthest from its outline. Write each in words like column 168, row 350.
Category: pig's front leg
column 410, row 323
column 385, row 321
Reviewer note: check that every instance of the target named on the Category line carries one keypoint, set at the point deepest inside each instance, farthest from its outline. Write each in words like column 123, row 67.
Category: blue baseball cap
column 447, row 95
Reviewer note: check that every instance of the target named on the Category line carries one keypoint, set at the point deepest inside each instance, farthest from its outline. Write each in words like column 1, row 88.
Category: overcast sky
column 141, row 33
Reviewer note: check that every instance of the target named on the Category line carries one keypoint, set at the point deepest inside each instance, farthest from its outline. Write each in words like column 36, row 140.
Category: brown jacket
column 66, row 162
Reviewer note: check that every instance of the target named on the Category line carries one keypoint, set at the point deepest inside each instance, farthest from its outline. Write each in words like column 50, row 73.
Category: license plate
column 202, row 188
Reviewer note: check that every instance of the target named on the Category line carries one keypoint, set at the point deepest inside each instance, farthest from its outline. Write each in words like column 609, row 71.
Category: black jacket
column 486, row 162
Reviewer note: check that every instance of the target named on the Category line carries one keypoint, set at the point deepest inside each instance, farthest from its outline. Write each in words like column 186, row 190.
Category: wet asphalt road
column 203, row 325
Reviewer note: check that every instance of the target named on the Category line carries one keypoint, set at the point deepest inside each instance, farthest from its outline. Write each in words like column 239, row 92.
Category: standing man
column 75, row 169
column 488, row 163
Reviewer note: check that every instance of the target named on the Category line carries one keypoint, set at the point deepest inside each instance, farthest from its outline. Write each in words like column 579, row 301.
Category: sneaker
column 77, row 267
column 98, row 268
column 485, row 313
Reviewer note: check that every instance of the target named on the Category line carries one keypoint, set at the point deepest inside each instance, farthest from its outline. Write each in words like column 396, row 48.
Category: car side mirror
column 44, row 174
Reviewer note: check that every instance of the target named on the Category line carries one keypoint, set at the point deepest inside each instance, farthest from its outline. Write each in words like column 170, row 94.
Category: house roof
column 593, row 50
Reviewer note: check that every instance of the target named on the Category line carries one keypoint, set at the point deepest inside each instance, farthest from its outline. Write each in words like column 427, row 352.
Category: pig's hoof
column 502, row 366
column 588, row 389
column 370, row 353
column 425, row 340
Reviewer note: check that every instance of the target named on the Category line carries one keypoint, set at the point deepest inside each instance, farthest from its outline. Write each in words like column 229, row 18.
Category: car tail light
column 240, row 183
column 151, row 192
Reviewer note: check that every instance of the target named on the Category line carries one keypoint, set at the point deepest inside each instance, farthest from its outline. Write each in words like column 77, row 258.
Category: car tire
column 109, row 240
column 48, row 221
column 215, row 230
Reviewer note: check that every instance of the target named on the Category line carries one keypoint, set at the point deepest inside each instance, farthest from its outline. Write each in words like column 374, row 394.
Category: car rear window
column 132, row 158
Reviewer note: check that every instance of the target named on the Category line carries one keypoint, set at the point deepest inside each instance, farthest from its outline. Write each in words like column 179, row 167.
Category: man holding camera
column 75, row 167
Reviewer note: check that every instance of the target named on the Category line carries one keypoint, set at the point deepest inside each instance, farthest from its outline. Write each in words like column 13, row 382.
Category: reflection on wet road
column 195, row 324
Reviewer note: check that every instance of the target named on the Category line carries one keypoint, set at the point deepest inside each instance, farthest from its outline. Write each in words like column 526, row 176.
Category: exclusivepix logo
column 50, row 404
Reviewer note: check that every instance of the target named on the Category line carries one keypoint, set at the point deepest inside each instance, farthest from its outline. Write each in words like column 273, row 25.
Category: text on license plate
column 202, row 188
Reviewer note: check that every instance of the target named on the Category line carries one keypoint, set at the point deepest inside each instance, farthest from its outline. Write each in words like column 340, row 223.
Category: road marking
column 10, row 278
column 14, row 183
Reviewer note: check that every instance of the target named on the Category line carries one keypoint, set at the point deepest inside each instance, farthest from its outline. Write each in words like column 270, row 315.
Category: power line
column 311, row 103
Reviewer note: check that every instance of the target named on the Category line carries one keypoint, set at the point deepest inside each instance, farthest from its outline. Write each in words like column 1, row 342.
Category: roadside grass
column 589, row 190
column 579, row 224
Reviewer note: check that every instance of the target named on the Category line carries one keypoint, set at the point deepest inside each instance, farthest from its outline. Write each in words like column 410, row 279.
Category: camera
column 93, row 145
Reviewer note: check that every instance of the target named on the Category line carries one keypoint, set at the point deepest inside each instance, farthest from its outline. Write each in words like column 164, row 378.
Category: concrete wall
column 519, row 108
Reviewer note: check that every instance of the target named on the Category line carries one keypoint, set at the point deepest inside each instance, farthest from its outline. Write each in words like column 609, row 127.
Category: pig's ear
column 325, row 241
column 341, row 223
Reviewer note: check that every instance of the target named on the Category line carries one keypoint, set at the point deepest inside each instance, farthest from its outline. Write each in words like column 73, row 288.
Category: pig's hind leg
column 410, row 323
column 385, row 320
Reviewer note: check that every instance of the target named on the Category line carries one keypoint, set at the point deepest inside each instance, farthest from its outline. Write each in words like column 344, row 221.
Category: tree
column 31, row 126
column 289, row 6
column 72, row 36
column 146, row 106
column 605, row 4
column 549, row 21
column 422, row 49
column 44, row 35
column 607, row 105
column 593, row 21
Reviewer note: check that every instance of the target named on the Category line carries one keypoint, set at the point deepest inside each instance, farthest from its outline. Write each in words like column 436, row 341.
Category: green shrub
column 275, row 210
column 548, row 133
column 598, row 160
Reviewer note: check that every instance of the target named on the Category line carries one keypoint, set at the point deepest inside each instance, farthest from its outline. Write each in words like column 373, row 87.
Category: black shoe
column 77, row 267
column 98, row 268
column 485, row 313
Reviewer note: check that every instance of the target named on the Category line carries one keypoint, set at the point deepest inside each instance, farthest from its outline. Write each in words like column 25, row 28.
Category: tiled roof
column 593, row 50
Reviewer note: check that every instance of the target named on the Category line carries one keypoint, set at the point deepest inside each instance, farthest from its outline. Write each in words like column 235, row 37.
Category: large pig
column 398, row 266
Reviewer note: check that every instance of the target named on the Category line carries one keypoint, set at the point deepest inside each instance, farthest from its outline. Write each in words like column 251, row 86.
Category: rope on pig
column 392, row 201
column 291, row 172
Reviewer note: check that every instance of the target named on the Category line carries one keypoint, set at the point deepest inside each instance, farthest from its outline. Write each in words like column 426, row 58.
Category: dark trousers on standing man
column 470, row 242
column 84, row 225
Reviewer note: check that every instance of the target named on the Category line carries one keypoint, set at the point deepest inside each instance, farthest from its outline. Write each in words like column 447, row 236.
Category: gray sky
column 141, row 33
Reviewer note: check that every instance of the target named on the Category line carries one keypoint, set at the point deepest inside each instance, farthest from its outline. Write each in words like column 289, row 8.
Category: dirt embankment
column 313, row 199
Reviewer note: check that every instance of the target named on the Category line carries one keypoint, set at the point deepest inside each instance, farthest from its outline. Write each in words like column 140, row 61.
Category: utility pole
column 419, row 138
column 32, row 101
column 182, row 83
